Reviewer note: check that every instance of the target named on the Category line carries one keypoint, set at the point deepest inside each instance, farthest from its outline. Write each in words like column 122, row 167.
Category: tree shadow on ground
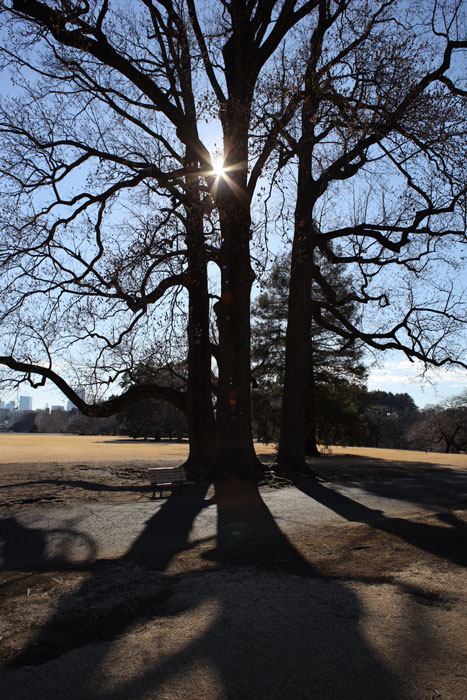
column 448, row 543
column 336, row 467
column 26, row 547
column 82, row 484
column 165, row 534
column 262, row 624
column 428, row 488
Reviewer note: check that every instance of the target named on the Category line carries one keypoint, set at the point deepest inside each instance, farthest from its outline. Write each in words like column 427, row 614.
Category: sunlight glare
column 218, row 167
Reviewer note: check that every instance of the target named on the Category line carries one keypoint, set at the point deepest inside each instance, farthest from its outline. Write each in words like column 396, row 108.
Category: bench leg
column 176, row 485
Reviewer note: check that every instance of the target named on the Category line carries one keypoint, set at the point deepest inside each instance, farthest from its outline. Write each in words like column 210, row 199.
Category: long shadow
column 247, row 534
column 28, row 547
column 271, row 629
column 20, row 544
column 164, row 535
column 82, row 484
column 167, row 532
column 279, row 632
column 447, row 543
column 434, row 488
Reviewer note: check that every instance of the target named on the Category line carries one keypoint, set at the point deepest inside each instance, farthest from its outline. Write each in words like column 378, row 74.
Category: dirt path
column 344, row 611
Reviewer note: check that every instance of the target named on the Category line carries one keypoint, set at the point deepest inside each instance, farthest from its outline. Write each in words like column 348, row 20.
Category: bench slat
column 173, row 474
column 166, row 477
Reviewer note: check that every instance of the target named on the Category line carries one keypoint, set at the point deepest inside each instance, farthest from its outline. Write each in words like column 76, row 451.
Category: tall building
column 25, row 403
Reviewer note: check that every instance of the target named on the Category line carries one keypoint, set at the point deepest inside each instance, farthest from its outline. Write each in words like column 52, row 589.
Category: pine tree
column 336, row 369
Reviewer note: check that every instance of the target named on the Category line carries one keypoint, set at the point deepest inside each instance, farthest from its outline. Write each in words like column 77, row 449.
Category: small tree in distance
column 151, row 418
column 442, row 428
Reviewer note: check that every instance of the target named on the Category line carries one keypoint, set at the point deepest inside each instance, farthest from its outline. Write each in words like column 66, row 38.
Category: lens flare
column 218, row 167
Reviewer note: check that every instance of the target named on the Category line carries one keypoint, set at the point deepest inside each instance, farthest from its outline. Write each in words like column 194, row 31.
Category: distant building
column 57, row 408
column 11, row 406
column 25, row 403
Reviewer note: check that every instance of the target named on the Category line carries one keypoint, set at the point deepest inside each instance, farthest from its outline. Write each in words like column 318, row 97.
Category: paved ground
column 88, row 531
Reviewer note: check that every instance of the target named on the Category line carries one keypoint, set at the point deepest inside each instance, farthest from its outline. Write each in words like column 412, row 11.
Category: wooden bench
column 167, row 478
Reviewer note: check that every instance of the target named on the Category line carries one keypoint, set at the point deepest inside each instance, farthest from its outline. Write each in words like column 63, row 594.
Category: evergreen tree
column 388, row 417
column 335, row 367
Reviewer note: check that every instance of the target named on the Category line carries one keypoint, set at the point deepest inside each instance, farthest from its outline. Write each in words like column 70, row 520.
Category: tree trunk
column 291, row 454
column 311, row 449
column 235, row 455
column 200, row 412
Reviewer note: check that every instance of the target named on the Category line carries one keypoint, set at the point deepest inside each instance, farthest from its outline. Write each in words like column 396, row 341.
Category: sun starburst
column 218, row 166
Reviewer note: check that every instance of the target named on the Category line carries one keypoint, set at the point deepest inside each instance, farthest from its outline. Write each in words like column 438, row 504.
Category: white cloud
column 376, row 378
column 408, row 372
column 404, row 376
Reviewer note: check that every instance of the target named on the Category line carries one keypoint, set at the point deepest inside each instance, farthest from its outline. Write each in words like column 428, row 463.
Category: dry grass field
column 28, row 448
column 439, row 459
column 58, row 468
column 46, row 448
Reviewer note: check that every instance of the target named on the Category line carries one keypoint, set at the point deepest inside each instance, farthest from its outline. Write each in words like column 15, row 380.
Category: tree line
column 150, row 418
column 365, row 418
column 341, row 129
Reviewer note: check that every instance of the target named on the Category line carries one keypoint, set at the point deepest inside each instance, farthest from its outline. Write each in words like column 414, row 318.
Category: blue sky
column 395, row 373
column 398, row 375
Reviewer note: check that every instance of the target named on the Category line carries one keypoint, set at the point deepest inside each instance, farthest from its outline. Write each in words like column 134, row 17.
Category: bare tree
column 110, row 121
column 90, row 138
column 442, row 427
column 110, row 191
column 387, row 112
